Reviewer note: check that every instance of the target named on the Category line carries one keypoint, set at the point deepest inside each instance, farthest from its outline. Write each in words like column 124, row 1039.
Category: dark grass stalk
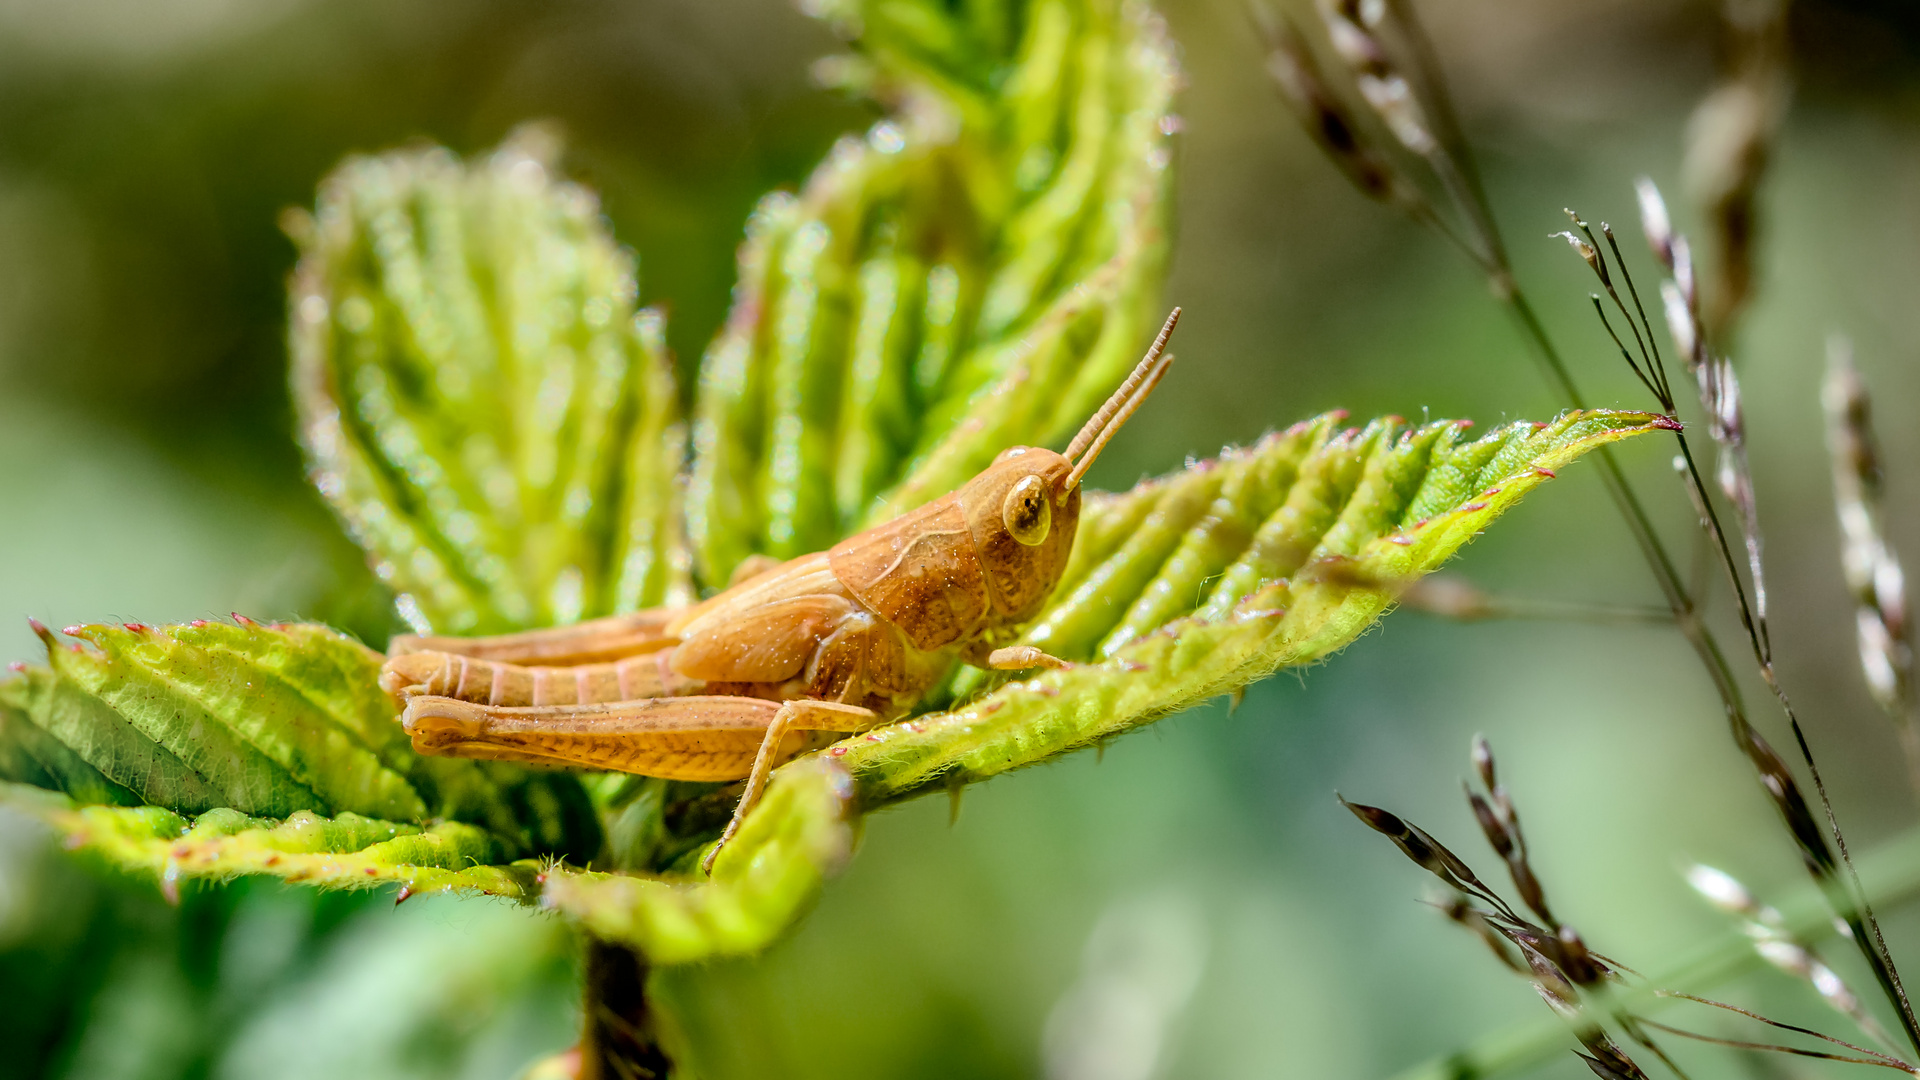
column 1878, row 1057
column 1729, row 143
column 1585, row 989
column 1893, row 870
column 1451, row 596
column 1848, row 898
column 1742, row 1044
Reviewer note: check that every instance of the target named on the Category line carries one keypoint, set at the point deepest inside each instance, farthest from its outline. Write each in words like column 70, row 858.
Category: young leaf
column 478, row 397
column 266, row 720
column 197, row 691
column 976, row 273
column 32, row 755
column 1186, row 587
column 1314, row 533
column 345, row 852
column 761, row 884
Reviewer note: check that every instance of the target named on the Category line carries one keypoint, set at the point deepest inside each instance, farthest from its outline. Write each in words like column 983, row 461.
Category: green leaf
column 260, row 720
column 30, row 754
column 762, row 882
column 478, row 397
column 208, row 693
column 976, row 273
column 345, row 852
column 496, row 424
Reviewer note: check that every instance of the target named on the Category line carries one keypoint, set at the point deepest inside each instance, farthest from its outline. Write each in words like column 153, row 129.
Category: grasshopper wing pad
column 919, row 572
column 761, row 643
column 688, row 738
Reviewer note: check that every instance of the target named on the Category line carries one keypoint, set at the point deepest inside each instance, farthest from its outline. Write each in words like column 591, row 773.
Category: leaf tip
column 1668, row 423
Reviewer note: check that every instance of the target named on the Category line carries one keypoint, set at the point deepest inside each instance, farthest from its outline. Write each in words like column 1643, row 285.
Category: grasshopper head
column 1022, row 513
column 1024, row 508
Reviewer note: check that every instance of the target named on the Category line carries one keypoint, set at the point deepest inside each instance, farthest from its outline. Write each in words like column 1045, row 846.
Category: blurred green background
column 1192, row 903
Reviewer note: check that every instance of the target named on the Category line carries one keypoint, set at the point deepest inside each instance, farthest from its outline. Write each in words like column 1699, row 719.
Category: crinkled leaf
column 1200, row 583
column 478, row 398
column 977, row 272
column 259, row 720
column 265, row 746
column 30, row 754
column 761, row 884
column 1188, row 586
column 344, row 852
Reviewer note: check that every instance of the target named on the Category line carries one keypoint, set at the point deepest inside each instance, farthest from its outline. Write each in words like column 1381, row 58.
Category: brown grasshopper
column 837, row 641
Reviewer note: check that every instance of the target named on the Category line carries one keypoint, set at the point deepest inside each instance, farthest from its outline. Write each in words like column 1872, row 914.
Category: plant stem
column 1891, row 874
column 616, row 1023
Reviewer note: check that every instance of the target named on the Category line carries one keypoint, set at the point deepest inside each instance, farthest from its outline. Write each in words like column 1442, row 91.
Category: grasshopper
column 837, row 641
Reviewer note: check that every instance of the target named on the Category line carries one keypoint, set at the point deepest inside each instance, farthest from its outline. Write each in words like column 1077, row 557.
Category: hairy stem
column 616, row 1023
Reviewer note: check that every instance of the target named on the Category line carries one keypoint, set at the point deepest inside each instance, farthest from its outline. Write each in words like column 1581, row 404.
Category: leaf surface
column 495, row 422
column 344, row 852
column 478, row 397
column 259, row 720
column 762, row 882
column 977, row 272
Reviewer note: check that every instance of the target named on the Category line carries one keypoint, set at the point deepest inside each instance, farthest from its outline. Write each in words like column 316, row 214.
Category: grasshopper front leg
column 1023, row 658
column 1010, row 658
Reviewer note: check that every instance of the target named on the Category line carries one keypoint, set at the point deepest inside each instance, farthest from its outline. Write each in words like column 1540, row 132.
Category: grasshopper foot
column 1023, row 658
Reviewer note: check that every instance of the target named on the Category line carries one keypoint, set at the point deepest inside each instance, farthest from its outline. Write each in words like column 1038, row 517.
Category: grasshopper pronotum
column 837, row 641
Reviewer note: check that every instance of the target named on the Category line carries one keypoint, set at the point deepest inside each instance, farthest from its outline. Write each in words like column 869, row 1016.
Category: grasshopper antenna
column 1103, row 424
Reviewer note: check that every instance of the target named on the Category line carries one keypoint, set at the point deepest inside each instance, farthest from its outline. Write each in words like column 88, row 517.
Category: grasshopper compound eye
column 1026, row 512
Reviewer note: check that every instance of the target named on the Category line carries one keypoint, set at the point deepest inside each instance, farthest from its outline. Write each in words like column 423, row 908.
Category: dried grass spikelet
column 1571, row 979
column 1729, row 140
column 1777, row 946
column 1351, row 26
column 1326, row 117
column 1872, row 569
